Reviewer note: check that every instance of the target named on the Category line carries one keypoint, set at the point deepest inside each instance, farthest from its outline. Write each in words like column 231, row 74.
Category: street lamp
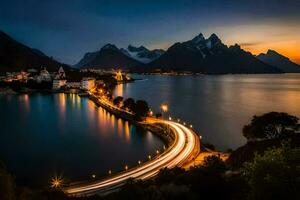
column 151, row 113
column 109, row 172
column 56, row 182
column 126, row 167
column 164, row 108
column 149, row 157
column 139, row 162
column 93, row 176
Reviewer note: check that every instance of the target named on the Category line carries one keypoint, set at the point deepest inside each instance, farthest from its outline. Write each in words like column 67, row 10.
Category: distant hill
column 210, row 56
column 109, row 56
column 275, row 59
column 15, row 56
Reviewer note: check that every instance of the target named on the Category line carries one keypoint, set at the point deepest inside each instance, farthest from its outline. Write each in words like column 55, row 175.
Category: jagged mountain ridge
column 109, row 56
column 121, row 58
column 210, row 56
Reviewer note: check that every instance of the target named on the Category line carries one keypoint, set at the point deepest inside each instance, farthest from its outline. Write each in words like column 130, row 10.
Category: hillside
column 15, row 56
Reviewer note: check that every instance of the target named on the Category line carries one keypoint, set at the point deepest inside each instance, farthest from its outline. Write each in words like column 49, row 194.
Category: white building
column 87, row 83
column 58, row 83
column 44, row 76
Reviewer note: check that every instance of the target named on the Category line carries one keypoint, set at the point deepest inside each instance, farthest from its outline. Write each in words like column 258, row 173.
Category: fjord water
column 218, row 106
column 59, row 134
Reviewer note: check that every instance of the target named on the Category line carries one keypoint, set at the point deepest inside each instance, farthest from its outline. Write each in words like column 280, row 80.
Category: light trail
column 179, row 152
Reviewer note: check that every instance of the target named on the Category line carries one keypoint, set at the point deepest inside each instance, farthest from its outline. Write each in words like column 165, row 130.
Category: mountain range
column 199, row 54
column 15, row 56
column 283, row 63
column 204, row 55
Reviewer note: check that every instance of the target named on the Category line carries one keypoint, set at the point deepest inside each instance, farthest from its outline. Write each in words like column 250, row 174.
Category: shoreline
column 157, row 130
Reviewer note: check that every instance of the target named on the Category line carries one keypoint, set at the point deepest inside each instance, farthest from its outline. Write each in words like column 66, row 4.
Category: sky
column 67, row 29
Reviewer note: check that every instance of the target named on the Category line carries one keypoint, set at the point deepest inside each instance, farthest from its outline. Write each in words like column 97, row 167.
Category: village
column 83, row 80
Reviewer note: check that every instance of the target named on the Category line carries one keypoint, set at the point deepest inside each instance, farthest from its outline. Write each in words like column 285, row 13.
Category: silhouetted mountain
column 142, row 54
column 275, row 59
column 16, row 56
column 109, row 56
column 210, row 56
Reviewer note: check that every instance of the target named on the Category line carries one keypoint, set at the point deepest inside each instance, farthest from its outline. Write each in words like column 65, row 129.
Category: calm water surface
column 43, row 135
column 218, row 106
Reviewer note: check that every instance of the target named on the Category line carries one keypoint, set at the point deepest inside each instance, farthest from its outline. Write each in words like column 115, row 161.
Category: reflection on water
column 119, row 90
column 42, row 135
column 219, row 106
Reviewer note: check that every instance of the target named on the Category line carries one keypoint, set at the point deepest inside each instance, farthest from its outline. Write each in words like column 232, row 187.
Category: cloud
column 250, row 44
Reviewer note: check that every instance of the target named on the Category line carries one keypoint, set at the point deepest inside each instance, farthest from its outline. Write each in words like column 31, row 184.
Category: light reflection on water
column 219, row 106
column 63, row 133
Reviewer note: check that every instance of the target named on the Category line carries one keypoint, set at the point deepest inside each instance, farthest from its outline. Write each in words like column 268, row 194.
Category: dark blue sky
column 67, row 29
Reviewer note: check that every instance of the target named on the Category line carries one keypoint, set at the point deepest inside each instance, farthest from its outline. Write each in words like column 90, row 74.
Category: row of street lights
column 56, row 182
column 164, row 107
column 126, row 167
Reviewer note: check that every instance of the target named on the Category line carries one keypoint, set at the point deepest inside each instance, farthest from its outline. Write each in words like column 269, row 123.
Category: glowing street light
column 149, row 157
column 151, row 113
column 126, row 167
column 56, row 182
column 139, row 162
column 164, row 107
column 200, row 136
column 178, row 120
column 170, row 118
column 191, row 126
column 109, row 172
column 157, row 152
column 93, row 176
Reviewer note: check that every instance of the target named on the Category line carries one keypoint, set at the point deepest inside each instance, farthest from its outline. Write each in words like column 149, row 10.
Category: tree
column 274, row 175
column 141, row 108
column 129, row 103
column 214, row 163
column 117, row 101
column 271, row 125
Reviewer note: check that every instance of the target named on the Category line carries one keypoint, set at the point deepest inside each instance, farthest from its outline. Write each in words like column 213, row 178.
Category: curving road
column 185, row 144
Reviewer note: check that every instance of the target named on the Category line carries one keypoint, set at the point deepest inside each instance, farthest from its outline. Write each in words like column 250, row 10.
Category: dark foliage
column 117, row 101
column 129, row 103
column 271, row 125
column 141, row 108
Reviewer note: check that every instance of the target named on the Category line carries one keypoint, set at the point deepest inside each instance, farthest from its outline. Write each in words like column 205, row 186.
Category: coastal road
column 185, row 145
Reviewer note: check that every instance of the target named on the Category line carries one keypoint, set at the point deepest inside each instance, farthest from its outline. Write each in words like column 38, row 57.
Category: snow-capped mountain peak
column 142, row 54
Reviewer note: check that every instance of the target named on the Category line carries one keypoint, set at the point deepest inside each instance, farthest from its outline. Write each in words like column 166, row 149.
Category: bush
column 274, row 175
column 271, row 125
